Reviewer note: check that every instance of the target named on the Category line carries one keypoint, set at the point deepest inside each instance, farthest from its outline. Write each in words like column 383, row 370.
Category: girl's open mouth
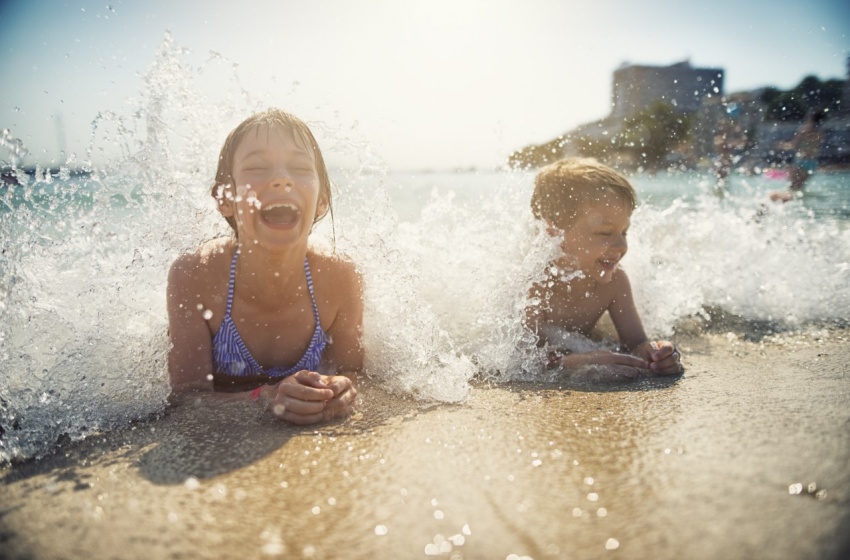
column 280, row 213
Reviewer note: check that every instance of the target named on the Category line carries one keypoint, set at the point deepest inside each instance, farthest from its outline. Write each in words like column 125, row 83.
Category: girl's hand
column 598, row 357
column 599, row 366
column 308, row 397
column 663, row 357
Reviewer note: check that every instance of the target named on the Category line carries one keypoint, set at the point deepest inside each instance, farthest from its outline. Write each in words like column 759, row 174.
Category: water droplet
column 601, row 512
column 380, row 530
column 316, row 510
column 466, row 530
column 192, row 483
column 208, row 314
column 612, row 544
column 795, row 488
column 439, row 514
column 593, row 496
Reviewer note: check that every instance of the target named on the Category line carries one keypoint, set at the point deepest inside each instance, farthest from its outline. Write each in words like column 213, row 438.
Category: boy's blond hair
column 562, row 190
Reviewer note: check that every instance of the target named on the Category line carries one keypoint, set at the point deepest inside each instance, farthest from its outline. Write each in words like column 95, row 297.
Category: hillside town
column 679, row 116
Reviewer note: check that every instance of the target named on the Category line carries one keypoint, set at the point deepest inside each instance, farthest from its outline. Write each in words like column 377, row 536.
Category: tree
column 652, row 134
column 537, row 155
column 811, row 94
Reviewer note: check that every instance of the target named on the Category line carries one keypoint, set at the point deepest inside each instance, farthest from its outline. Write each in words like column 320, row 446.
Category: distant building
column 636, row 87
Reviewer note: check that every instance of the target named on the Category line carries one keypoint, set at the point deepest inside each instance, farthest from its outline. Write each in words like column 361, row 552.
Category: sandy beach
column 704, row 466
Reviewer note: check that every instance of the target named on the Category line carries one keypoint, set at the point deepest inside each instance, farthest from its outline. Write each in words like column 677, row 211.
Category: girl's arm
column 345, row 353
column 298, row 398
column 535, row 312
column 190, row 359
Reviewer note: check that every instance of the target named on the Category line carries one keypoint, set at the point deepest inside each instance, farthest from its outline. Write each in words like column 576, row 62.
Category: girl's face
column 596, row 242
column 275, row 197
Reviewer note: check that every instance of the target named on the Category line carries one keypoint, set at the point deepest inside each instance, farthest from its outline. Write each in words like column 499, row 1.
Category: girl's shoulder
column 333, row 270
column 198, row 266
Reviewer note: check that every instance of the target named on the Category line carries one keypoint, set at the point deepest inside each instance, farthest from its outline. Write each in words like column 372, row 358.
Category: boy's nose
column 621, row 243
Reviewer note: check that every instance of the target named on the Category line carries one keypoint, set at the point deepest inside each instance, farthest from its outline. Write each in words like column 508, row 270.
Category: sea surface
column 447, row 259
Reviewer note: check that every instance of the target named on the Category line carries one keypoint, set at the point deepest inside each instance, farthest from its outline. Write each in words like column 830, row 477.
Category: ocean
column 447, row 259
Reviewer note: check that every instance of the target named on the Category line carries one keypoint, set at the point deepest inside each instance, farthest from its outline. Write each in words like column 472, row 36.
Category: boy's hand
column 663, row 357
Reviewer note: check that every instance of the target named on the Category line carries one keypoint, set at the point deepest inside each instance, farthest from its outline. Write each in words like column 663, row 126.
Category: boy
column 590, row 205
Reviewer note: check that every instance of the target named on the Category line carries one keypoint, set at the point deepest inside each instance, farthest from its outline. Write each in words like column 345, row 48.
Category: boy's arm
column 661, row 355
column 190, row 358
column 624, row 314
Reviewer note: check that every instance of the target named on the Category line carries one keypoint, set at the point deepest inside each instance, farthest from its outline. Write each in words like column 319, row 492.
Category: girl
column 256, row 314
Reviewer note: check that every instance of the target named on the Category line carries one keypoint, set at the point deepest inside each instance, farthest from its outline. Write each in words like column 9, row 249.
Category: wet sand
column 694, row 467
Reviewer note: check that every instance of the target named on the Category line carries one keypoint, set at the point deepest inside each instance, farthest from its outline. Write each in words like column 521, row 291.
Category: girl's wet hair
column 271, row 118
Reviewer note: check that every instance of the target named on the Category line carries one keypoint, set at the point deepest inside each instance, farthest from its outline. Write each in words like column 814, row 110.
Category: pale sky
column 430, row 84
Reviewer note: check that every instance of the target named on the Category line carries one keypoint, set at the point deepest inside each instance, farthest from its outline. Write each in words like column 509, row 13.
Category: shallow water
column 447, row 259
column 704, row 466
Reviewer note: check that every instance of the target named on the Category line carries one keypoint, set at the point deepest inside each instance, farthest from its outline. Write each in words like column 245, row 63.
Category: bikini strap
column 232, row 282
column 310, row 289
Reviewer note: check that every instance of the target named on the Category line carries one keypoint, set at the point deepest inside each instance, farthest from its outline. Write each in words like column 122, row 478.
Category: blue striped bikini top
column 231, row 357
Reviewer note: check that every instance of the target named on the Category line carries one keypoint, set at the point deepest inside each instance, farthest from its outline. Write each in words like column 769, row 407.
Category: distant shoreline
column 9, row 176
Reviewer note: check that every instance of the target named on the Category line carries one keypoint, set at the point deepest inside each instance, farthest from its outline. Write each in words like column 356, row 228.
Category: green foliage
column 604, row 150
column 811, row 94
column 537, row 155
column 652, row 134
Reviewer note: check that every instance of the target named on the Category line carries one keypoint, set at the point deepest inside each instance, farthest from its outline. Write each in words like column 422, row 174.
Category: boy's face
column 596, row 241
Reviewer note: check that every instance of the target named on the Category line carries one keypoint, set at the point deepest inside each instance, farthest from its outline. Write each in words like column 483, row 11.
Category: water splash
column 447, row 259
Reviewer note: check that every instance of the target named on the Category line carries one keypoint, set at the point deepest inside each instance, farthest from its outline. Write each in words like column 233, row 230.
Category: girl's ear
column 322, row 206
column 224, row 201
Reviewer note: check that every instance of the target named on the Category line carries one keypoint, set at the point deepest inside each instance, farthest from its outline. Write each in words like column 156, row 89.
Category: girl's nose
column 282, row 178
